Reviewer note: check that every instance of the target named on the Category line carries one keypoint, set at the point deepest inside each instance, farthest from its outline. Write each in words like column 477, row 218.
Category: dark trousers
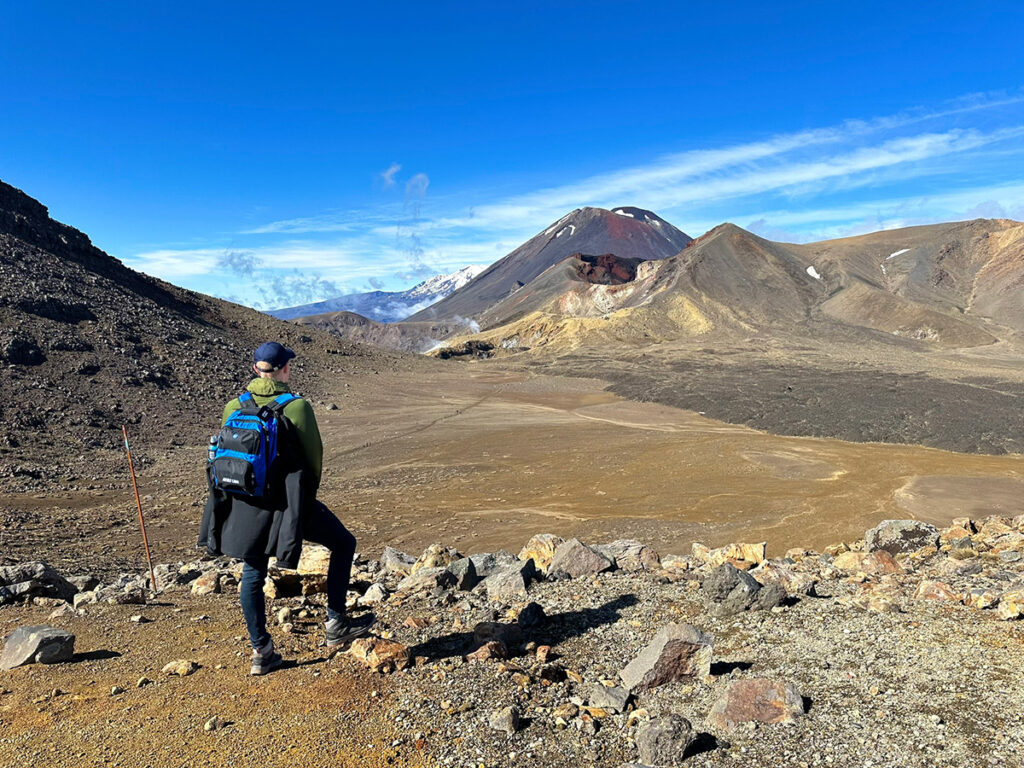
column 319, row 526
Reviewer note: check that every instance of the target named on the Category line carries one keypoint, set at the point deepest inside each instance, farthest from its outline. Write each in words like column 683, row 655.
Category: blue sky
column 278, row 155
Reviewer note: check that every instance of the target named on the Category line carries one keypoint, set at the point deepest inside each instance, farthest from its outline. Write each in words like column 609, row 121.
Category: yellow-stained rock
column 314, row 560
column 379, row 654
column 541, row 549
column 878, row 562
column 435, row 556
column 936, row 591
column 1011, row 605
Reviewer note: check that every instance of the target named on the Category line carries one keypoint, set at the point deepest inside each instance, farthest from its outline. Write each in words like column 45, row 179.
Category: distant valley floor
column 483, row 456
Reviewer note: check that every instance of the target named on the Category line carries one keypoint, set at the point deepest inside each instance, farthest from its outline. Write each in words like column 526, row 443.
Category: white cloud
column 803, row 185
column 388, row 177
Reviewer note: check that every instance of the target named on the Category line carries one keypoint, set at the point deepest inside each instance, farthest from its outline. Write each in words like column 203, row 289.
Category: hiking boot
column 341, row 631
column 265, row 659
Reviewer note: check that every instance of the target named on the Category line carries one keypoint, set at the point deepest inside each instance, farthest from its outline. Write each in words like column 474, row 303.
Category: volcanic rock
column 541, row 549
column 878, row 562
column 611, row 698
column 505, row 720
column 630, row 555
column 511, row 582
column 732, row 591
column 180, row 668
column 677, row 652
column 464, row 573
column 576, row 559
column 936, row 591
column 663, row 741
column 756, row 700
column 435, row 556
column 426, row 579
column 397, row 562
column 379, row 654
column 28, row 580
column 37, row 644
column 896, row 536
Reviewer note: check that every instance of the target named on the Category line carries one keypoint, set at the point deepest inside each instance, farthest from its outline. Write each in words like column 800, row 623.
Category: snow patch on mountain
column 387, row 306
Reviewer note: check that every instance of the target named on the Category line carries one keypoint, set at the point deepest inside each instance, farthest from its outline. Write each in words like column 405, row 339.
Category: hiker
column 263, row 505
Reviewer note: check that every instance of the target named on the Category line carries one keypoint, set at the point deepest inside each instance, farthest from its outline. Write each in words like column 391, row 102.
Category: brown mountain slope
column 947, row 286
column 626, row 232
column 88, row 344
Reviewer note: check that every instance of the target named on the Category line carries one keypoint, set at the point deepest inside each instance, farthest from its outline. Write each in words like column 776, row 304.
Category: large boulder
column 630, row 555
column 37, row 644
column 487, row 563
column 870, row 563
column 314, row 560
column 510, row 583
column 731, row 591
column 436, row 556
column 742, row 556
column 541, row 549
column 677, row 652
column 895, row 536
column 575, row 559
column 663, row 741
column 464, row 573
column 27, row 580
column 756, row 701
column 796, row 583
column 427, row 580
column 396, row 562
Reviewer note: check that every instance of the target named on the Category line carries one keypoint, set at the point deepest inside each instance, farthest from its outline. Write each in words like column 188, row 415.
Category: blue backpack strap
column 247, row 403
column 282, row 400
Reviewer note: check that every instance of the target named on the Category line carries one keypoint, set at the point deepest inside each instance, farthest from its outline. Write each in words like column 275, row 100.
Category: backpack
column 243, row 452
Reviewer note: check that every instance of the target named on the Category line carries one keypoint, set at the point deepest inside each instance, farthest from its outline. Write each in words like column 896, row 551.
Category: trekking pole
column 138, row 503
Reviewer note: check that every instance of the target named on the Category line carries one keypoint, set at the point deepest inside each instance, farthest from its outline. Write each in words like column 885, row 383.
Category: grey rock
column 630, row 555
column 375, row 595
column 510, row 583
column 733, row 591
column 895, row 536
column 84, row 583
column 489, row 563
column 677, row 652
column 37, row 644
column 84, row 598
column 505, row 720
column 27, row 580
column 576, row 559
column 397, row 562
column 464, row 573
column 663, row 741
column 613, row 700
column 427, row 579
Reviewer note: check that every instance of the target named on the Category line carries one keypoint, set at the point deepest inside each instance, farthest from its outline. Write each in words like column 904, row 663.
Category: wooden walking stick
column 138, row 503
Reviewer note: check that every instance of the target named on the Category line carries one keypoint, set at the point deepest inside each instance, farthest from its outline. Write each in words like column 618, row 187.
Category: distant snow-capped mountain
column 387, row 306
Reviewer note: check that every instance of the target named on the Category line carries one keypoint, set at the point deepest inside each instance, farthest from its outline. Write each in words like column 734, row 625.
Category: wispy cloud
column 387, row 177
column 954, row 161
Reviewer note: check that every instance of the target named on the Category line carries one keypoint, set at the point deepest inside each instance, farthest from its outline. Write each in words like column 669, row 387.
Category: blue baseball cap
column 271, row 352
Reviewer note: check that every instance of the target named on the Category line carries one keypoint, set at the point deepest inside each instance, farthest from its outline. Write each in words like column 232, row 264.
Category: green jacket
column 298, row 412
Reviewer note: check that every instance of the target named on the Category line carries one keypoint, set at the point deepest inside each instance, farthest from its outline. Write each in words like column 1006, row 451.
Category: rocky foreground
column 903, row 649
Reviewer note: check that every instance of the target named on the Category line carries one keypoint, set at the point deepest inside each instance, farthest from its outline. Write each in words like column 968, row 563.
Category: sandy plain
column 483, row 457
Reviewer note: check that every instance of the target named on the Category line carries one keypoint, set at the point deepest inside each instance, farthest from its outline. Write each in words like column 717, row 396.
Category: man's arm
column 300, row 414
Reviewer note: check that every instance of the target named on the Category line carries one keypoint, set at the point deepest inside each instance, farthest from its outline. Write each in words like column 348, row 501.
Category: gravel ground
column 904, row 681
